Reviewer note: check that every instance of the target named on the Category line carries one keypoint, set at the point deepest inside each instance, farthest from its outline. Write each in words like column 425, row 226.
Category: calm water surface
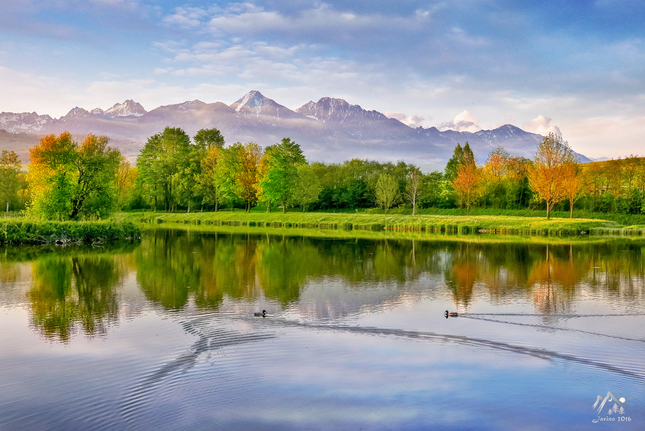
column 161, row 334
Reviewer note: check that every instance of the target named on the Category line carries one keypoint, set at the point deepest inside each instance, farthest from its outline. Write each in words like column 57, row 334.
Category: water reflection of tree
column 554, row 280
column 174, row 266
column 463, row 273
column 70, row 292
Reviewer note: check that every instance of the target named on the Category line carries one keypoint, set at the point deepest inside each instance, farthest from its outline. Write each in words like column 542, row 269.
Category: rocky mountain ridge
column 330, row 130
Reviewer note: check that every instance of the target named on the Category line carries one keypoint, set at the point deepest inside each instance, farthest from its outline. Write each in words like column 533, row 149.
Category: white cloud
column 606, row 136
column 463, row 122
column 542, row 126
column 411, row 120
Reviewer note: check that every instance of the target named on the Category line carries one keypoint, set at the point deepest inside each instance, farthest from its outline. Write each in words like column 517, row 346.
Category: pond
column 162, row 334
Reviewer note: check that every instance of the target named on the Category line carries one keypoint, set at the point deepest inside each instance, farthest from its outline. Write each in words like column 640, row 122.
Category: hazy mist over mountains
column 330, row 130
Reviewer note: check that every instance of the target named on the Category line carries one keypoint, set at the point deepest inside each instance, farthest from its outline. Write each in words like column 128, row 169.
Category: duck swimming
column 263, row 314
column 451, row 314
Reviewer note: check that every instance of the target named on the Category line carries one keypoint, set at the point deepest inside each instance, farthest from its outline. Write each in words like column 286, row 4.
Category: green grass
column 383, row 234
column 509, row 225
column 25, row 231
column 622, row 219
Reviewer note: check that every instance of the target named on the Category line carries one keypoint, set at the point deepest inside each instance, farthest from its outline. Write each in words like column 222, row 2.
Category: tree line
column 174, row 172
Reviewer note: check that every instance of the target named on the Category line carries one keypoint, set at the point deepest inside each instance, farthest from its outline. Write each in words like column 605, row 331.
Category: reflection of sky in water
column 353, row 350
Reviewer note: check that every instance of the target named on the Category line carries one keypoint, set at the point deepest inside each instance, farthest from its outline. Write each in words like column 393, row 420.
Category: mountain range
column 330, row 130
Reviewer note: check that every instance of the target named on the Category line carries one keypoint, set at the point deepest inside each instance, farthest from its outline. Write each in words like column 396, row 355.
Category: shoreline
column 470, row 225
column 25, row 231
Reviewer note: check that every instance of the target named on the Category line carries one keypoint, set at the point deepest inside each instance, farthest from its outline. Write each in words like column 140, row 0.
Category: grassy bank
column 378, row 222
column 335, row 234
column 24, row 231
column 621, row 219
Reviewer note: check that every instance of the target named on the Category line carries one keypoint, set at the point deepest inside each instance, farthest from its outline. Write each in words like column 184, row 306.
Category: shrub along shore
column 507, row 225
column 24, row 231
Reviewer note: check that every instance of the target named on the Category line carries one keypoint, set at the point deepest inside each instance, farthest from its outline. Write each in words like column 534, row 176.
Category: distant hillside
column 330, row 130
column 18, row 142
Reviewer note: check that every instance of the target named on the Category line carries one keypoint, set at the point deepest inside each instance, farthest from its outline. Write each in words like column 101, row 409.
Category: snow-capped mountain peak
column 24, row 122
column 129, row 108
column 256, row 104
column 332, row 109
column 76, row 114
column 253, row 100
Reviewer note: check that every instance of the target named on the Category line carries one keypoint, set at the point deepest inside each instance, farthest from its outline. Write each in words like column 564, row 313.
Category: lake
column 161, row 334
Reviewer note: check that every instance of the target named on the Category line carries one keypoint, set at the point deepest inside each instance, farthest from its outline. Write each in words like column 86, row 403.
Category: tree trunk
column 571, row 208
column 268, row 206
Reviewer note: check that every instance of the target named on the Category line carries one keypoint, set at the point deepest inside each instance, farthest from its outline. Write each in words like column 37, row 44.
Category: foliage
column 67, row 180
column 546, row 176
column 280, row 173
column 128, row 194
column 211, row 175
column 209, row 138
column 9, row 179
column 96, row 172
column 247, row 177
column 467, row 183
column 208, row 187
column 160, row 161
column 413, row 187
column 21, row 231
column 387, row 191
column 307, row 187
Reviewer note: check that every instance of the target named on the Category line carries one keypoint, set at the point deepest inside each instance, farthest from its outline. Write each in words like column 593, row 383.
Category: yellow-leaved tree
column 551, row 172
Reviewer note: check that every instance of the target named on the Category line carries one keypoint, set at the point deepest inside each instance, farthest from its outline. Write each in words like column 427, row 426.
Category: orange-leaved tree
column 546, row 176
column 572, row 182
column 467, row 184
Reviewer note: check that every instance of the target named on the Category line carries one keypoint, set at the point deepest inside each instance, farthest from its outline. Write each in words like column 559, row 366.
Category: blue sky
column 577, row 67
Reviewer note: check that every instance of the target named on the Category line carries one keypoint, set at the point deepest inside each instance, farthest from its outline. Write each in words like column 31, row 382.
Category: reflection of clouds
column 336, row 298
column 211, row 337
column 468, row 341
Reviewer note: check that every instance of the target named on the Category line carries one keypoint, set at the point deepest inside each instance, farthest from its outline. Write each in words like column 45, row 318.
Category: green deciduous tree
column 414, row 184
column 162, row 163
column 9, row 178
column 280, row 172
column 387, row 190
column 97, row 165
column 68, row 180
column 209, row 138
column 307, row 187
